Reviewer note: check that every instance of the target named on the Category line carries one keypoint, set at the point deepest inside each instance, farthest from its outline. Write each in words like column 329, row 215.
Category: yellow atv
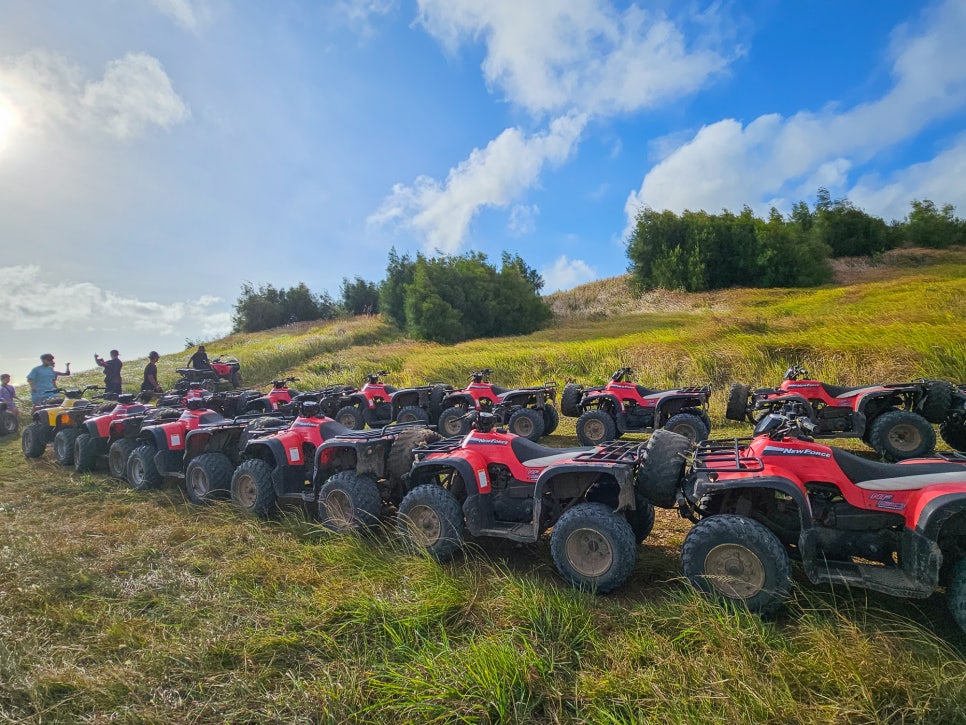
column 59, row 420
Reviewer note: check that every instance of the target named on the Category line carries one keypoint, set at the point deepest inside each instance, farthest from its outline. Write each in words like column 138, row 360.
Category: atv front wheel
column 595, row 427
column 9, row 423
column 954, row 433
column 430, row 519
column 142, row 474
column 207, row 477
column 641, row 519
column 527, row 423
column 33, row 440
column 64, row 446
column 351, row 417
column 85, row 453
column 938, row 401
column 453, row 422
column 737, row 408
column 117, row 456
column 660, row 474
column 593, row 547
column 252, row 489
column 551, row 419
column 570, row 400
column 899, row 434
column 412, row 414
column 349, row 501
column 739, row 560
column 690, row 426
column 956, row 594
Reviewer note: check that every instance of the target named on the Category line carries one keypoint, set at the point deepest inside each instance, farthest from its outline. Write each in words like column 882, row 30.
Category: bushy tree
column 929, row 226
column 359, row 297
column 846, row 230
column 268, row 306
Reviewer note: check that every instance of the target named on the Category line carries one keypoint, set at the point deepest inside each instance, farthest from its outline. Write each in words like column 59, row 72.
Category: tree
column 928, row 226
column 269, row 307
column 359, row 297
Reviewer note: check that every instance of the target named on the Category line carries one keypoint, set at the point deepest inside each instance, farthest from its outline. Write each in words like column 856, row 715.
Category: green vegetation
column 141, row 608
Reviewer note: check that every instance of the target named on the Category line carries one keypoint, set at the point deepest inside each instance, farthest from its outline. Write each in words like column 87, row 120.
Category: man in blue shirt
column 43, row 379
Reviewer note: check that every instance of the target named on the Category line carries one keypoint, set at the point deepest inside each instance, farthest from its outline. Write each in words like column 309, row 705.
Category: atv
column 223, row 368
column 275, row 399
column 421, row 404
column 605, row 413
column 94, row 440
column 896, row 528
column 893, row 419
column 371, row 404
column 56, row 420
column 9, row 422
column 533, row 416
column 495, row 483
column 953, row 429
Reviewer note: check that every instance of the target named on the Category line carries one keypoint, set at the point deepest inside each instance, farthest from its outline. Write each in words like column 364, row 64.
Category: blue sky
column 156, row 154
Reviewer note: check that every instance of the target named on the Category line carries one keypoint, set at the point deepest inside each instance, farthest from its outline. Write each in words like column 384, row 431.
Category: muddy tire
column 430, row 519
column 737, row 408
column 899, row 434
column 641, row 520
column 161, row 414
column 207, row 478
column 660, row 474
column 33, row 440
column 142, row 474
column 953, row 432
column 938, row 401
column 85, row 453
column 412, row 414
column 252, row 489
column 400, row 459
column 117, row 456
column 593, row 547
column 236, row 379
column 688, row 425
column 351, row 417
column 526, row 423
column 436, row 396
column 349, row 501
column 570, row 400
column 551, row 419
column 956, row 594
column 9, row 423
column 453, row 422
column 64, row 446
column 739, row 561
column 595, row 427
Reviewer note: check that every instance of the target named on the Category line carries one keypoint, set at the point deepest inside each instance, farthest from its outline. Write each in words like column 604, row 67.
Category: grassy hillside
column 125, row 607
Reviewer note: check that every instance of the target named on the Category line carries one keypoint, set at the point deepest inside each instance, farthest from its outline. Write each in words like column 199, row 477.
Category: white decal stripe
column 909, row 483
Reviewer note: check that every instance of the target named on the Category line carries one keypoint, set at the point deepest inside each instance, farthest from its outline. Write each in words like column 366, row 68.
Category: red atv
column 533, row 413
column 371, row 404
column 278, row 398
column 495, row 483
column 93, row 441
column 893, row 419
column 421, row 404
column 897, row 528
column 223, row 368
column 607, row 412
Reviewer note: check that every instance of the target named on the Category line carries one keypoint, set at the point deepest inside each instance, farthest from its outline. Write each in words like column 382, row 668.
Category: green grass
column 125, row 607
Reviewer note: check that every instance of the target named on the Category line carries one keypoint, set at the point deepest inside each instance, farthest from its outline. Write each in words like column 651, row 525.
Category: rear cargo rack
column 716, row 455
column 705, row 389
column 447, row 445
column 613, row 452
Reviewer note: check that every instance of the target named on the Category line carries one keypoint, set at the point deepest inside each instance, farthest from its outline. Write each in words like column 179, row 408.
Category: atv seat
column 497, row 390
column 875, row 476
column 535, row 455
column 332, row 428
column 838, row 391
column 644, row 392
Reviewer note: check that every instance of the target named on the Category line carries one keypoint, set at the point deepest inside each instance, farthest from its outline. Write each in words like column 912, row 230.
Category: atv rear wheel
column 739, row 560
column 207, row 477
column 453, row 422
column 85, row 453
column 570, row 400
column 956, row 594
column 117, row 456
column 400, row 459
column 142, row 473
column 436, row 396
column 349, row 501
column 526, row 423
column 430, row 519
column 595, row 427
column 9, row 423
column 737, row 408
column 659, row 476
column 351, row 417
column 252, row 489
column 641, row 520
column 899, row 434
column 593, row 547
column 954, row 433
column 690, row 426
column 33, row 440
column 412, row 414
column 939, row 400
column 551, row 419
column 64, row 446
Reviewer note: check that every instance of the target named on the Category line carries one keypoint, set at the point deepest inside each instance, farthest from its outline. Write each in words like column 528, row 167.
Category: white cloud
column 522, row 220
column 490, row 177
column 566, row 273
column 359, row 13
column 28, row 302
column 192, row 15
column 727, row 164
column 580, row 55
column 47, row 90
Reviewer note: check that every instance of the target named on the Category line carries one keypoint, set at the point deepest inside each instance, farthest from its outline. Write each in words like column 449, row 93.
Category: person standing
column 8, row 393
column 150, row 383
column 112, row 372
column 199, row 361
column 43, row 379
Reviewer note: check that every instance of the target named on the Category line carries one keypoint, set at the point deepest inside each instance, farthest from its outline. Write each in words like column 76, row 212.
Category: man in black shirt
column 199, row 361
column 150, row 383
column 112, row 372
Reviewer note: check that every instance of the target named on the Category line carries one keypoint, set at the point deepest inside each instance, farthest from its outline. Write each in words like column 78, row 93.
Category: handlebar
column 795, row 372
column 619, row 375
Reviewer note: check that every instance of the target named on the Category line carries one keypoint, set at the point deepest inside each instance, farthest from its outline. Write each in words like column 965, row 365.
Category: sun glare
column 8, row 120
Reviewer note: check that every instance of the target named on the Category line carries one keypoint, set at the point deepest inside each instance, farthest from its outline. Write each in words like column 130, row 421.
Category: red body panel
column 375, row 393
column 625, row 393
column 813, row 391
column 121, row 411
column 302, row 431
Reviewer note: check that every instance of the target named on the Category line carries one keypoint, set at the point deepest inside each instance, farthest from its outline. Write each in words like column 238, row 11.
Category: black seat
column 644, row 392
column 859, row 469
column 836, row 390
column 528, row 452
column 497, row 390
column 332, row 428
